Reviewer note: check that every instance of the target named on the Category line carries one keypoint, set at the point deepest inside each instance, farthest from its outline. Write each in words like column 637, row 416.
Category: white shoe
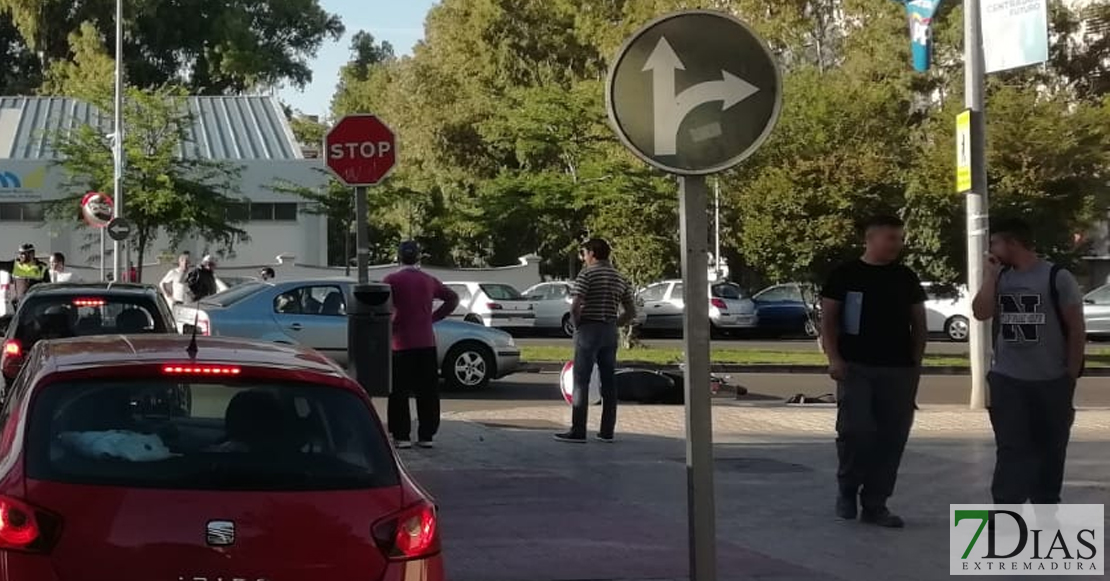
column 402, row 444
column 425, row 444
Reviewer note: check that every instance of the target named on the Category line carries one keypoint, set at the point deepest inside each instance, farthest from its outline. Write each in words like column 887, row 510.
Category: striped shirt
column 603, row 290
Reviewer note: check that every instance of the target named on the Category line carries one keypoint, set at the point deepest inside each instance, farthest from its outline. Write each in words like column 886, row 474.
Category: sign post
column 361, row 151
column 978, row 217
column 715, row 94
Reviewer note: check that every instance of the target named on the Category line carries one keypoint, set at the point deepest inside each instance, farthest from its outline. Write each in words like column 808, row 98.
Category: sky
column 401, row 22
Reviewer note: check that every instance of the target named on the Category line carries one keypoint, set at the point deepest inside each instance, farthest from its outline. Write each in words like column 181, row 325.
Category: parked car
column 552, row 301
column 730, row 309
column 948, row 310
column 61, row 310
column 6, row 309
column 493, row 304
column 1096, row 312
column 313, row 313
column 788, row 309
column 128, row 454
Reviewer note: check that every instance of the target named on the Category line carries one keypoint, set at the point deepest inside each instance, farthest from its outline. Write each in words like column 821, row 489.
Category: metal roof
column 225, row 128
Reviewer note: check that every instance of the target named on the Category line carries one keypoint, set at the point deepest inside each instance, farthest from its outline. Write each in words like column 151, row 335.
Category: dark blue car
column 787, row 309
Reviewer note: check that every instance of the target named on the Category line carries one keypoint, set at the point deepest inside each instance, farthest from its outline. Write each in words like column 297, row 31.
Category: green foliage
column 20, row 69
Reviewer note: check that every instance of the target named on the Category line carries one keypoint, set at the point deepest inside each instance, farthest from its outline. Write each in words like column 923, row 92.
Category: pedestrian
column 58, row 272
column 267, row 274
column 415, row 362
column 603, row 302
column 173, row 285
column 132, row 272
column 1040, row 338
column 202, row 281
column 26, row 271
column 874, row 330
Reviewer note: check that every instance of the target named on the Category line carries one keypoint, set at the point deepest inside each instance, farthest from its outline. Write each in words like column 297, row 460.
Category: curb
column 556, row 367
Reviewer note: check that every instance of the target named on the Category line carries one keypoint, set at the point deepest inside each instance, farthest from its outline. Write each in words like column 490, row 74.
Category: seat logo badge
column 221, row 533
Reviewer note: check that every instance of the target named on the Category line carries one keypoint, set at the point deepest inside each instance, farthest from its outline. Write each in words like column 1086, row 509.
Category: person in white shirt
column 58, row 272
column 173, row 284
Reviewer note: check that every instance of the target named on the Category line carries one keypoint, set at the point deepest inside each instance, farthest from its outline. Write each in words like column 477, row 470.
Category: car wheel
column 568, row 325
column 475, row 319
column 810, row 328
column 957, row 329
column 468, row 366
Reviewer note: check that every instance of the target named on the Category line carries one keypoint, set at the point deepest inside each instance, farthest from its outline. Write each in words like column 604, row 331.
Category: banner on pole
column 920, row 15
column 1015, row 33
column 963, row 152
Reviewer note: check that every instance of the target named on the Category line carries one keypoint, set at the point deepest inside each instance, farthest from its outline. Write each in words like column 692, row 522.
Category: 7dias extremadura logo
column 1033, row 539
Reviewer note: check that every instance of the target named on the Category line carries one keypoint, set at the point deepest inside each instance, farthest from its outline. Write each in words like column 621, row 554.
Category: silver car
column 1096, row 312
column 730, row 309
column 313, row 313
column 552, row 302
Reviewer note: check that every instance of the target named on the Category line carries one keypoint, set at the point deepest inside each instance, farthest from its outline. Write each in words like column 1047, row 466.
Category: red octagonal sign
column 360, row 150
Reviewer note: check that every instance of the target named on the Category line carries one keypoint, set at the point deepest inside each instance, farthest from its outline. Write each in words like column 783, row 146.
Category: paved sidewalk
column 517, row 506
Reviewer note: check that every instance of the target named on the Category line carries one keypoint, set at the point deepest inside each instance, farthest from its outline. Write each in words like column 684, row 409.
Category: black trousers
column 1032, row 425
column 415, row 373
column 875, row 410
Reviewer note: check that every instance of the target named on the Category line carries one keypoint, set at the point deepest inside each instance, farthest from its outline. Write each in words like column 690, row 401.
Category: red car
column 139, row 459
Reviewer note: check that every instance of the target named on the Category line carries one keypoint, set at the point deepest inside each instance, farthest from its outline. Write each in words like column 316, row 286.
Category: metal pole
column 103, row 251
column 977, row 201
column 717, row 225
column 117, row 145
column 699, row 415
column 362, row 236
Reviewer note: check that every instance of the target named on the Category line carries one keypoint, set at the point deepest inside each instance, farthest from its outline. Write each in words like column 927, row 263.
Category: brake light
column 494, row 306
column 719, row 303
column 23, row 528
column 88, row 302
column 221, row 370
column 12, row 348
column 410, row 534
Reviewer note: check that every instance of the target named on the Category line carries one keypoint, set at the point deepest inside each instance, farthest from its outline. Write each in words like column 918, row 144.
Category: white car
column 6, row 309
column 948, row 310
column 493, row 304
column 552, row 302
column 730, row 309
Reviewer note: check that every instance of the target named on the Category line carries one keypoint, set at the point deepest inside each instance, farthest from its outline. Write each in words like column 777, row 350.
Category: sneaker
column 881, row 517
column 846, row 507
column 570, row 438
column 425, row 444
column 606, row 439
column 402, row 444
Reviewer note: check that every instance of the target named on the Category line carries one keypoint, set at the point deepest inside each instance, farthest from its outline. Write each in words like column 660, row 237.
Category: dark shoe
column 570, row 438
column 881, row 517
column 605, row 439
column 846, row 507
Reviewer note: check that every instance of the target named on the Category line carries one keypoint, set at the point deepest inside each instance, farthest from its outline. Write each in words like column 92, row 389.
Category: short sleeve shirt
column 876, row 312
column 602, row 290
column 1031, row 344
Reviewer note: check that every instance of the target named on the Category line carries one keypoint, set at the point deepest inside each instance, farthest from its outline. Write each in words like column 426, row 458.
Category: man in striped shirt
column 603, row 302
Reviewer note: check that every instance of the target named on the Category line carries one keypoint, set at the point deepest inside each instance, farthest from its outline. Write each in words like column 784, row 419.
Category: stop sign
column 360, row 150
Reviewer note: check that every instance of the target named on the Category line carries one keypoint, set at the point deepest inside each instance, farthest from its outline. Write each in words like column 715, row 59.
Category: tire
column 957, row 329
column 810, row 328
column 474, row 319
column 468, row 366
column 568, row 325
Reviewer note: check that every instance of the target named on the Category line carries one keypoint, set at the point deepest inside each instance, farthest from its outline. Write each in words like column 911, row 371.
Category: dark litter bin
column 369, row 336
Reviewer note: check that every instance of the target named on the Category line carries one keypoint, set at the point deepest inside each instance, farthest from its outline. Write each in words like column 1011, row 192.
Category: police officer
column 26, row 271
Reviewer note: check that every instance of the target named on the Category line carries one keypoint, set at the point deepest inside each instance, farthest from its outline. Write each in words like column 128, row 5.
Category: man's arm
column 580, row 288
column 628, row 307
column 450, row 302
column 983, row 306
column 919, row 328
column 1071, row 307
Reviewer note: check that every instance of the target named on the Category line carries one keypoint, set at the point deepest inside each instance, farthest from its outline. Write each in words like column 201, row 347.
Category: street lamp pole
column 717, row 226
column 978, row 223
column 117, row 141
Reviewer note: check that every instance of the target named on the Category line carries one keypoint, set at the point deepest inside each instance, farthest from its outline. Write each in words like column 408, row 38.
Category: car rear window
column 60, row 317
column 169, row 434
column 728, row 291
column 235, row 293
column 501, row 292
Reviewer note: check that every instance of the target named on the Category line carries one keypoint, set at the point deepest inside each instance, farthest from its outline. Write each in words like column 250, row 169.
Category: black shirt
column 875, row 312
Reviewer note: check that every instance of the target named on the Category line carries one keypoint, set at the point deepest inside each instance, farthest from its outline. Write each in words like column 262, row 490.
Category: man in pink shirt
column 415, row 362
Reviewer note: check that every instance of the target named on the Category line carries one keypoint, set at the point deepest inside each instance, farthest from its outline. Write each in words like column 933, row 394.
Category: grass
column 744, row 356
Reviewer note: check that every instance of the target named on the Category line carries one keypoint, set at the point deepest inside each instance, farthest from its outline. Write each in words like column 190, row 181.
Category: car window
column 655, row 292
column 676, row 292
column 235, row 293
column 501, row 292
column 463, row 291
column 1099, row 296
column 311, row 300
column 175, row 434
column 59, row 317
column 539, row 292
column 559, row 291
column 727, row 291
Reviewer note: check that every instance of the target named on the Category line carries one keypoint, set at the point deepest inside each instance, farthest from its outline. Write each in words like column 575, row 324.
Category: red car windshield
column 169, row 433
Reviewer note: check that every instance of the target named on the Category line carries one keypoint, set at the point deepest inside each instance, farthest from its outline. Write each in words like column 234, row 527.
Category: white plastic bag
column 118, row 444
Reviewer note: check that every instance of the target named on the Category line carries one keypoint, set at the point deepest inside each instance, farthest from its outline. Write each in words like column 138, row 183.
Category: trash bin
column 369, row 336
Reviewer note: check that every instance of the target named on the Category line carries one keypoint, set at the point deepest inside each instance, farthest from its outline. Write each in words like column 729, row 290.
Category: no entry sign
column 360, row 150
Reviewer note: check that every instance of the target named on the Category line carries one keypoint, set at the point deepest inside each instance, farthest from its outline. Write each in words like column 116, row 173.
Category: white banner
column 1015, row 33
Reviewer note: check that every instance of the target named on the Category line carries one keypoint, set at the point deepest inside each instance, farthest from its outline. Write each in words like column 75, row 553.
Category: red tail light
column 88, row 302
column 201, row 370
column 12, row 358
column 410, row 534
column 13, row 348
column 719, row 303
column 23, row 528
column 494, row 306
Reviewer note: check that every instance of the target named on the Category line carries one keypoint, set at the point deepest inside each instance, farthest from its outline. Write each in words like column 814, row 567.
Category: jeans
column 875, row 410
column 415, row 373
column 595, row 344
column 1032, row 425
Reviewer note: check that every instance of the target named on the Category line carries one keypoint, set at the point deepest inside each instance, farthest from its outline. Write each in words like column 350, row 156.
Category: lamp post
column 117, row 143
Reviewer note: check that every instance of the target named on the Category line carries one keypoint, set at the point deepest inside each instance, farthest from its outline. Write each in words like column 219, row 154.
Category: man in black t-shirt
column 874, row 333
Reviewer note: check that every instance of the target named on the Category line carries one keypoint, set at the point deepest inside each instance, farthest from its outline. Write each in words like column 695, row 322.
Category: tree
column 20, row 69
column 165, row 192
column 212, row 47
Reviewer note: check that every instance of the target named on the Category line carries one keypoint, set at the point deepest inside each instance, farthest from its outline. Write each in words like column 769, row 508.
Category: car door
column 549, row 311
column 314, row 316
column 1096, row 311
column 653, row 299
column 780, row 306
column 465, row 299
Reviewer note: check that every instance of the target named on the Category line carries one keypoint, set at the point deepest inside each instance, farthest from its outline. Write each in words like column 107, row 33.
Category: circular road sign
column 360, row 150
column 119, row 229
column 694, row 93
column 96, row 209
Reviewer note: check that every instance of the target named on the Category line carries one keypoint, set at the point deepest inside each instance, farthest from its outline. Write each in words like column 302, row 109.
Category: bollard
column 369, row 337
